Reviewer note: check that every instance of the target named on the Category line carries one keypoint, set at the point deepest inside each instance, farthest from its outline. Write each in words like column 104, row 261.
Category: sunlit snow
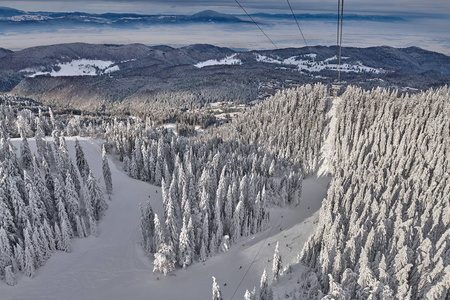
column 114, row 266
column 229, row 60
column 79, row 67
column 313, row 65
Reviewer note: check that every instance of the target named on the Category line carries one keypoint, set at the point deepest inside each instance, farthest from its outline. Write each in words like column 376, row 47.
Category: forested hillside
column 214, row 192
column 292, row 125
column 384, row 229
column 45, row 199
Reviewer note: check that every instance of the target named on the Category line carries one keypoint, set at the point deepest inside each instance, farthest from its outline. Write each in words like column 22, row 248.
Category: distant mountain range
column 87, row 73
column 13, row 17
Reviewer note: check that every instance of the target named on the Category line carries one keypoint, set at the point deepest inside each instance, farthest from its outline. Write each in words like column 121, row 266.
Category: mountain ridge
column 207, row 73
column 14, row 17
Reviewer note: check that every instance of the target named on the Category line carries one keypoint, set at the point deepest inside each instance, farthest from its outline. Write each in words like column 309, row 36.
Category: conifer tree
column 95, row 195
column 148, row 227
column 165, row 259
column 5, row 251
column 58, row 237
column 171, row 223
column 238, row 220
column 106, row 171
column 159, row 235
column 49, row 236
column 250, row 295
column 216, row 293
column 26, row 157
column 72, row 200
column 19, row 256
column 6, row 218
column 10, row 278
column 29, row 255
column 66, row 232
column 265, row 292
column 276, row 265
column 82, row 163
column 185, row 251
column 39, row 252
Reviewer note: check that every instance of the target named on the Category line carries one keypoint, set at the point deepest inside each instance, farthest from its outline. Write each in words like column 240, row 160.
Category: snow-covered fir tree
column 216, row 293
column 276, row 264
column 106, row 171
column 41, row 206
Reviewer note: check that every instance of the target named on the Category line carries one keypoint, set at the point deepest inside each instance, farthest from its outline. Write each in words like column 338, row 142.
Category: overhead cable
column 257, row 253
column 295, row 18
column 340, row 37
column 256, row 23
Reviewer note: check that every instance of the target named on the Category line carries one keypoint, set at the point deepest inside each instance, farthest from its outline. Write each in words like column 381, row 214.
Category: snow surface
column 229, row 60
column 21, row 18
column 313, row 65
column 328, row 146
column 310, row 55
column 79, row 67
column 113, row 265
column 263, row 58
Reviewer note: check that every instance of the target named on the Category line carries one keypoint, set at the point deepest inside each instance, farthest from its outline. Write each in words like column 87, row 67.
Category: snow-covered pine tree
column 5, row 251
column 148, row 227
column 185, row 251
column 10, row 278
column 216, row 293
column 276, row 265
column 159, row 237
column 250, row 295
column 106, row 171
column 265, row 292
column 29, row 256
column 82, row 163
column 95, row 195
column 26, row 157
column 165, row 259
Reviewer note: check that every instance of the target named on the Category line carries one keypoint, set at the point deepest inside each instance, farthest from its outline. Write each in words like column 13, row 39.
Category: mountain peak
column 211, row 15
column 10, row 12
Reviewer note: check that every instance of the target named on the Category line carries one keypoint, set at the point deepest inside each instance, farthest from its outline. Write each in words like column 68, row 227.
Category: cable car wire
column 255, row 23
column 298, row 25
column 339, row 37
column 257, row 253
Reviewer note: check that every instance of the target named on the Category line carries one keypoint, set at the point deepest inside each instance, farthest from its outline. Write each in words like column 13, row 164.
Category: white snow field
column 113, row 265
column 78, row 67
column 229, row 60
column 308, row 62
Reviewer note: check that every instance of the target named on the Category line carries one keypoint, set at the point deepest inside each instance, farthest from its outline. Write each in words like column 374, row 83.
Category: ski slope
column 113, row 265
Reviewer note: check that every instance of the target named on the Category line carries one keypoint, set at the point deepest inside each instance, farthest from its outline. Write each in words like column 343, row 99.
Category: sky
column 426, row 24
column 230, row 6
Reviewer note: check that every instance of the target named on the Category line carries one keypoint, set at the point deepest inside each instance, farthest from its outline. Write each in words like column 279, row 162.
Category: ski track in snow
column 114, row 266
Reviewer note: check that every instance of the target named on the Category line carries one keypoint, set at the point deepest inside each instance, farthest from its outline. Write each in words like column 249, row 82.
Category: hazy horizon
column 426, row 29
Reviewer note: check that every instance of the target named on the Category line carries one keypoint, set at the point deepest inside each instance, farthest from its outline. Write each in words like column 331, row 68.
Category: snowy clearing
column 114, row 266
column 310, row 64
column 229, row 60
column 78, row 67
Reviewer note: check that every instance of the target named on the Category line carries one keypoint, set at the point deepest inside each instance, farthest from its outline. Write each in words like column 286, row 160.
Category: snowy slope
column 113, row 265
column 308, row 62
column 328, row 148
column 229, row 60
column 78, row 67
